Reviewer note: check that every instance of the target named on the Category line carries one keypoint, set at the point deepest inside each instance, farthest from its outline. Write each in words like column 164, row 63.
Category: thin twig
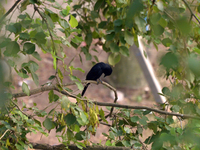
column 191, row 11
column 9, row 11
column 19, row 108
column 4, row 133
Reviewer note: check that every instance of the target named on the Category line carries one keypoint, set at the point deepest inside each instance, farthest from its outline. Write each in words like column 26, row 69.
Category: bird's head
column 107, row 70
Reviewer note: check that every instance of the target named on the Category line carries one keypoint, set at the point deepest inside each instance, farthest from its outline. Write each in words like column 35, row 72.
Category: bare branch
column 74, row 147
column 54, row 87
column 4, row 133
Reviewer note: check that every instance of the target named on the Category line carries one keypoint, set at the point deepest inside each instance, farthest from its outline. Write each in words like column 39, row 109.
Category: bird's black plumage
column 96, row 72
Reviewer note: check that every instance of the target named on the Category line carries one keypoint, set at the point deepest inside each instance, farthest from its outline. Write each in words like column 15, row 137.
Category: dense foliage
column 116, row 26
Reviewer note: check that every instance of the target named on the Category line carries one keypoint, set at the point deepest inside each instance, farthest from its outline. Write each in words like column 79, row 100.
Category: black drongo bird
column 96, row 72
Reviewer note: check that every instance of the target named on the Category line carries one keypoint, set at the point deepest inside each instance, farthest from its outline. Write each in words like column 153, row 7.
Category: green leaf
column 169, row 60
column 141, row 23
column 36, row 55
column 108, row 143
column 118, row 22
column 135, row 7
column 25, row 88
column 101, row 113
column 80, row 136
column 154, row 18
column 88, row 56
column 153, row 126
column 50, row 22
column 29, row 48
column 60, row 75
column 63, row 23
column 79, row 85
column 114, row 47
column 124, row 51
column 114, row 58
column 129, row 38
column 110, row 36
column 73, row 78
column 70, row 119
column 15, row 28
column 33, row 66
column 53, row 97
column 79, row 69
column 65, row 103
column 167, row 42
column 98, row 4
column 5, row 42
column 51, row 94
column 88, row 38
column 135, row 119
column 65, row 12
column 83, row 119
column 12, row 49
column 166, row 137
column 196, row 49
column 35, row 78
column 24, row 36
column 183, row 25
column 70, row 134
column 194, row 63
column 157, row 29
column 52, row 77
column 198, row 8
column 22, row 16
column 102, row 24
column 23, row 75
column 166, row 91
column 170, row 120
column 73, row 22
column 163, row 22
column 40, row 37
column 94, row 15
column 48, row 124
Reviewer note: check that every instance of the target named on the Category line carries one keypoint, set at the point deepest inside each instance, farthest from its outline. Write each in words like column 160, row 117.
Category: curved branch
column 54, row 87
column 74, row 147
column 147, row 108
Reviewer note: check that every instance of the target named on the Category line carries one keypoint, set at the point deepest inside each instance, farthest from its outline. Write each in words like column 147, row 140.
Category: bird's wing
column 94, row 73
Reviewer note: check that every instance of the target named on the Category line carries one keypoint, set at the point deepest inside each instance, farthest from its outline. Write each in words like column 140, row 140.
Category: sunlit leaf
column 114, row 59
column 73, row 22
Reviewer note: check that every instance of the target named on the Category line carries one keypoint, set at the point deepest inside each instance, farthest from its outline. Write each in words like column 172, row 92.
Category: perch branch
column 53, row 87
column 74, row 147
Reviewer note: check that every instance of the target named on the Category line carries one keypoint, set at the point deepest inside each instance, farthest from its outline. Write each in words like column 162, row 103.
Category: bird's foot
column 99, row 81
